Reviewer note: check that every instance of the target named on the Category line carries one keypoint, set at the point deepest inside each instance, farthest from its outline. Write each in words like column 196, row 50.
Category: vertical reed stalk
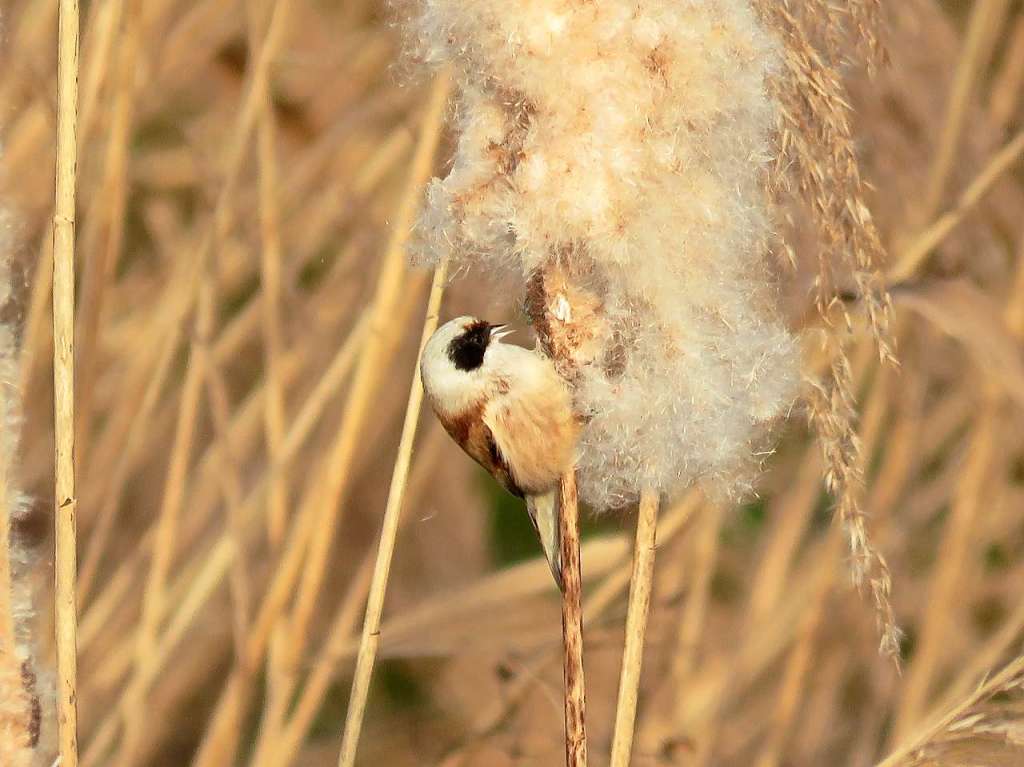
column 370, row 639
column 572, row 624
column 636, row 628
column 986, row 17
column 368, row 375
column 65, row 507
column 270, row 300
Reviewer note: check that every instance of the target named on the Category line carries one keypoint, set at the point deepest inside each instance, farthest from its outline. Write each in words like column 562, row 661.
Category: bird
column 508, row 409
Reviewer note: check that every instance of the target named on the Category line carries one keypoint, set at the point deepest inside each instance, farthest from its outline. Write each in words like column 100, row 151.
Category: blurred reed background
column 246, row 336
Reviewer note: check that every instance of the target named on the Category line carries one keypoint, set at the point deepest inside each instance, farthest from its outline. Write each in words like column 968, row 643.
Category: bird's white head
column 458, row 363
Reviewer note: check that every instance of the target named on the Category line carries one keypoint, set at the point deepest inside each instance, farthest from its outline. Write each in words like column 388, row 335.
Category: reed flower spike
column 614, row 156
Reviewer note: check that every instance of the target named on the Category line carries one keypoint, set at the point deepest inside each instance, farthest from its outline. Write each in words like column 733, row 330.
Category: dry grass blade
column 965, row 313
column 371, row 364
column 1002, row 373
column 271, row 299
column 1008, row 680
column 910, row 259
column 65, row 499
column 370, row 639
column 987, row 16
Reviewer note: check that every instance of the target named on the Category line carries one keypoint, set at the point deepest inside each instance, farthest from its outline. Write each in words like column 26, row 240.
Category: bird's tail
column 545, row 513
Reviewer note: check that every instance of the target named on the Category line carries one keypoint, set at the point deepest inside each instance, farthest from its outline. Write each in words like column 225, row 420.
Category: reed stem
column 65, row 508
column 370, row 639
column 636, row 628
column 572, row 625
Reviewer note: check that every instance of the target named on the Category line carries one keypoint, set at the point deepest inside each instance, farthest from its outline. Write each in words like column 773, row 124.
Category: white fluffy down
column 631, row 135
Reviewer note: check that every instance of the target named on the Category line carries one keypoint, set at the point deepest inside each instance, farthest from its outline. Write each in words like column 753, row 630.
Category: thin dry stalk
column 791, row 690
column 1009, row 676
column 65, row 508
column 221, row 738
column 231, row 483
column 270, row 299
column 281, row 750
column 340, row 645
column 970, row 499
column 165, row 543
column 375, row 357
column 695, row 612
column 695, row 578
column 103, row 234
column 640, row 586
column 911, row 259
column 572, row 624
column 196, row 376
column 1006, row 90
column 602, row 598
column 794, row 513
column 957, row 540
column 669, row 526
column 370, row 368
column 986, row 17
column 370, row 640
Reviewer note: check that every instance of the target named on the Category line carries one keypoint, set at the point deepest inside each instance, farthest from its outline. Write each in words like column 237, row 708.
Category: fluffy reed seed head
column 614, row 155
column 20, row 714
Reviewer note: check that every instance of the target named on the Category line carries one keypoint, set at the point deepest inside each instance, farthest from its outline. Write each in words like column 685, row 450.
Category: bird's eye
column 466, row 351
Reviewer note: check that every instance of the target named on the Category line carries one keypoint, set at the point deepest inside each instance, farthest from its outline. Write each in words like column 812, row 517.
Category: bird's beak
column 498, row 332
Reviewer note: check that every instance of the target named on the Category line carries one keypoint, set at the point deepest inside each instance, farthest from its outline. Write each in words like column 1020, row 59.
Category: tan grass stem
column 65, row 508
column 640, row 587
column 928, row 731
column 326, row 496
column 957, row 539
column 224, row 726
column 195, row 378
column 794, row 678
column 670, row 525
column 601, row 599
column 270, row 303
column 103, row 234
column 1004, row 98
column 370, row 368
column 572, row 625
column 165, row 541
column 910, row 259
column 280, row 750
column 986, row 17
column 370, row 639
column 690, row 573
column 969, row 501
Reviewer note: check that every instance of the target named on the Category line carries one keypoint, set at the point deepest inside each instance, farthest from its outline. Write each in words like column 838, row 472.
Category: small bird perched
column 510, row 411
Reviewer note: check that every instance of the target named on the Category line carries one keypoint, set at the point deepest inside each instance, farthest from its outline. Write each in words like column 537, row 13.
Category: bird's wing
column 535, row 436
column 543, row 508
column 478, row 441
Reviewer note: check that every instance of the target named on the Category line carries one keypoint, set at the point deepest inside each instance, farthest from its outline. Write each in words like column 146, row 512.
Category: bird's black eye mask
column 466, row 351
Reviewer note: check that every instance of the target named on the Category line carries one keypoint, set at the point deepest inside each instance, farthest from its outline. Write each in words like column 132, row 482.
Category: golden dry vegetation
column 246, row 333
